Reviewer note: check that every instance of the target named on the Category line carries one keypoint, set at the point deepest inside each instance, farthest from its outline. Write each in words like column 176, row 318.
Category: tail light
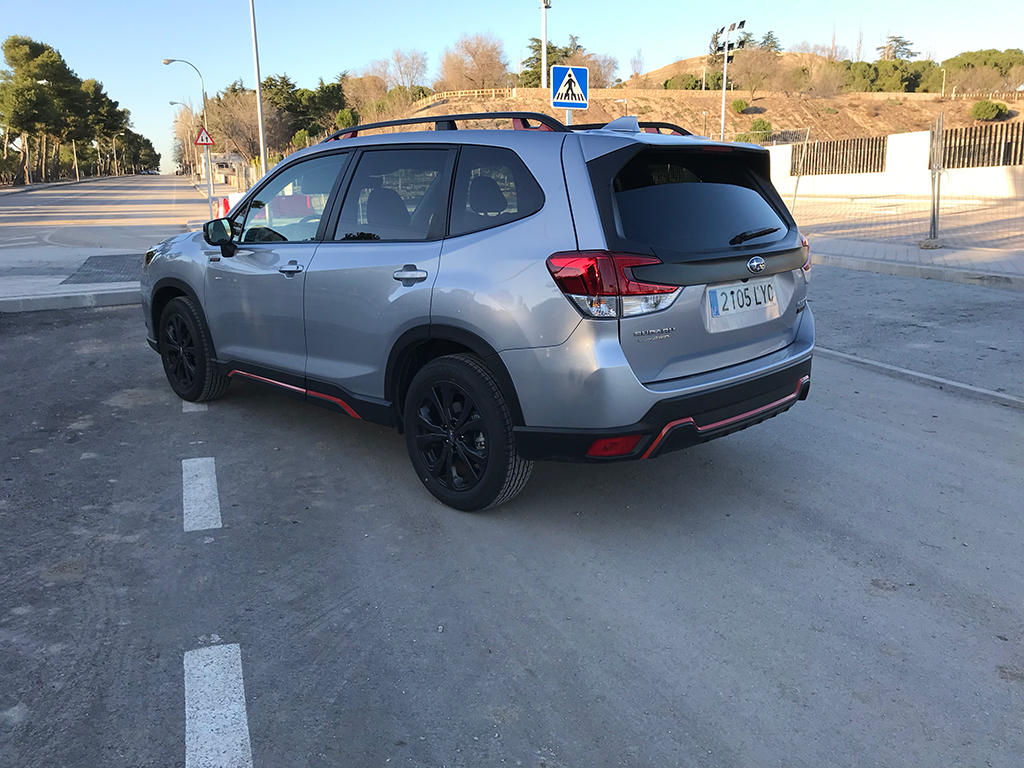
column 807, row 264
column 602, row 285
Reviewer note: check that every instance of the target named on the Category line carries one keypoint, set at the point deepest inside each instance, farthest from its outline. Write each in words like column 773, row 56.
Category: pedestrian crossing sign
column 569, row 87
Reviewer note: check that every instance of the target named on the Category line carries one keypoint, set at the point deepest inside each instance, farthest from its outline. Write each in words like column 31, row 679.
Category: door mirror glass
column 217, row 232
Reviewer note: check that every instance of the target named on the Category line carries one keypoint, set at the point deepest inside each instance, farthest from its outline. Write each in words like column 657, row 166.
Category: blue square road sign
column 569, row 87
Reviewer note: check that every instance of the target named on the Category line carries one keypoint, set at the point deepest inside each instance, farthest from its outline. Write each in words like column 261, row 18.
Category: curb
column 111, row 298
column 962, row 276
column 52, row 185
column 923, row 378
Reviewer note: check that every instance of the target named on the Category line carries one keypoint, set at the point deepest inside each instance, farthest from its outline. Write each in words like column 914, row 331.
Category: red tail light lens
column 613, row 446
column 595, row 281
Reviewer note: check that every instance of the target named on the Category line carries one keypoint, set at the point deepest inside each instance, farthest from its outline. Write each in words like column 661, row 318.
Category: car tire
column 458, row 430
column 186, row 351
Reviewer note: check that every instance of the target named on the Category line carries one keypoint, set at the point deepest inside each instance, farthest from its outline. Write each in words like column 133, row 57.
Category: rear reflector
column 613, row 446
column 602, row 285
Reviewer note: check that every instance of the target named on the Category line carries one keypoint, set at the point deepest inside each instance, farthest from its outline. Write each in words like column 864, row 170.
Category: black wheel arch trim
column 186, row 289
column 415, row 337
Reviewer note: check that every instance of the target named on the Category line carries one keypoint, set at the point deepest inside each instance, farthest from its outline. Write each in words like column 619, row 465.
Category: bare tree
column 475, row 61
column 753, row 68
column 232, row 118
column 364, row 92
column 860, row 41
column 636, row 64
column 600, row 66
column 407, row 68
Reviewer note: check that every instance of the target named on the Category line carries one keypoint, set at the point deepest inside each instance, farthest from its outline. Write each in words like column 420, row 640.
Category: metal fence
column 865, row 155
column 983, row 145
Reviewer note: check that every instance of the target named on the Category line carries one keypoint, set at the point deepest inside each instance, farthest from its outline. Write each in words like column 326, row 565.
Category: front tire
column 459, row 434
column 187, row 353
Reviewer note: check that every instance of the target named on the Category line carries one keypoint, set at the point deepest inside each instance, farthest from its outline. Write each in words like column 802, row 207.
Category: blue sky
column 122, row 42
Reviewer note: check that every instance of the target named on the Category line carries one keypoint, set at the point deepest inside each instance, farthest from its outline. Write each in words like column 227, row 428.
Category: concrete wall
column 906, row 173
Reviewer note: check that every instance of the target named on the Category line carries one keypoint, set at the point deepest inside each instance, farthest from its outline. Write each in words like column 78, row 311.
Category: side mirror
column 218, row 232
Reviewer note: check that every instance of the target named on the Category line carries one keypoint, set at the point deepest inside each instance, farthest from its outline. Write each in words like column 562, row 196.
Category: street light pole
column 725, row 66
column 544, row 5
column 259, row 93
column 209, row 178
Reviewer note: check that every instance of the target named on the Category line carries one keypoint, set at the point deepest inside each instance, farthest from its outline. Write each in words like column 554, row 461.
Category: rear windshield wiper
column 742, row 237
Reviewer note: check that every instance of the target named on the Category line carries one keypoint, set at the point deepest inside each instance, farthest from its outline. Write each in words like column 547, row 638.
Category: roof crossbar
column 645, row 127
column 520, row 121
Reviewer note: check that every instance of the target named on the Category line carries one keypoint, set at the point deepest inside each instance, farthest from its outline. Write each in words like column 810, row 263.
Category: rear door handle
column 409, row 274
column 291, row 268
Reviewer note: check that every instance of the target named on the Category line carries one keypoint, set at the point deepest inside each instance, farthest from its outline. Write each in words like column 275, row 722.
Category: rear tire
column 187, row 353
column 459, row 434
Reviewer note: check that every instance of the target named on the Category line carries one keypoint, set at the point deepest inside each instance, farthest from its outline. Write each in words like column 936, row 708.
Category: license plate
column 737, row 298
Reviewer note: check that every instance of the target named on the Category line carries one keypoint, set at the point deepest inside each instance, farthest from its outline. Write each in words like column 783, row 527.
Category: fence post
column 935, row 165
column 800, row 169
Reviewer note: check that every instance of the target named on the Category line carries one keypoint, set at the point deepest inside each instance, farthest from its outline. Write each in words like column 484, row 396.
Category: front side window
column 288, row 209
column 396, row 195
column 492, row 187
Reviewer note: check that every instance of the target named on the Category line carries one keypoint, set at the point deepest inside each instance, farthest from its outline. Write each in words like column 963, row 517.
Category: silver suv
column 600, row 293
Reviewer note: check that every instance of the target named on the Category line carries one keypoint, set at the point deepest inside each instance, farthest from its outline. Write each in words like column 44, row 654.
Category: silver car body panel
column 588, row 382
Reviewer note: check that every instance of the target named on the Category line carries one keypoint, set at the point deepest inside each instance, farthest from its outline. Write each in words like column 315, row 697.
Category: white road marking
column 200, row 501
column 187, row 407
column 216, row 724
column 1000, row 397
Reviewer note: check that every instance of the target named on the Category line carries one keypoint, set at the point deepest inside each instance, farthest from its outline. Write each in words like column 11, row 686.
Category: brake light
column 807, row 264
column 602, row 284
column 613, row 446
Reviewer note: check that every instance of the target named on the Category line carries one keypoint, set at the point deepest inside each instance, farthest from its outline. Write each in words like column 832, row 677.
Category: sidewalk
column 994, row 268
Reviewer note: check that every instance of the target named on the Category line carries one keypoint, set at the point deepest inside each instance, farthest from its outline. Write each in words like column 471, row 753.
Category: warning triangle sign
column 570, row 90
column 204, row 139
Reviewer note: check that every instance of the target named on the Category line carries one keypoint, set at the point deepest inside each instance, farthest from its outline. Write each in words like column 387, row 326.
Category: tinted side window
column 395, row 194
column 492, row 187
column 289, row 207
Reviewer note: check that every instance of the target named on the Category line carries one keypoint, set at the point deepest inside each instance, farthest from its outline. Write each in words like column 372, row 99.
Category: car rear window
column 692, row 201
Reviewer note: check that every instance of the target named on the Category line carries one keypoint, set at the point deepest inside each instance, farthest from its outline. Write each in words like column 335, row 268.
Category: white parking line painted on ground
column 187, row 407
column 216, row 724
column 200, row 501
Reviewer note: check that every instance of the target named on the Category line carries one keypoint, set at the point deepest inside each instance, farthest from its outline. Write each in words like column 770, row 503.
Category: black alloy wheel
column 187, row 353
column 458, row 431
column 179, row 353
column 451, row 436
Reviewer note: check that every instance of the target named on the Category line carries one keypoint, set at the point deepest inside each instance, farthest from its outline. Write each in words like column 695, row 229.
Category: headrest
column 485, row 196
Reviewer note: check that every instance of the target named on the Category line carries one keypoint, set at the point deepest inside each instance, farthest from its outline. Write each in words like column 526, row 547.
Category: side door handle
column 291, row 268
column 409, row 274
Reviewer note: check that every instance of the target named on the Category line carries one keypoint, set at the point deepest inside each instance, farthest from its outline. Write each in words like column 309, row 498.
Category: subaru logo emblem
column 756, row 265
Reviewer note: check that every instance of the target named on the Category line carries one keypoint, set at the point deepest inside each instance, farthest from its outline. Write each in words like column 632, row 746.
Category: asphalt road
column 837, row 586
column 52, row 230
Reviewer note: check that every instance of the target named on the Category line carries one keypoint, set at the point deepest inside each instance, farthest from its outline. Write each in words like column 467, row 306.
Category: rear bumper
column 679, row 422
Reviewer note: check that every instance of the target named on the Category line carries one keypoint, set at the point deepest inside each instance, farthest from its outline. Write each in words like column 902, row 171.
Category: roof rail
column 645, row 127
column 520, row 121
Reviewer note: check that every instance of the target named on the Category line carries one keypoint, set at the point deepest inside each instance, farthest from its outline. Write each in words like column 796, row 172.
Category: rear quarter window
column 492, row 187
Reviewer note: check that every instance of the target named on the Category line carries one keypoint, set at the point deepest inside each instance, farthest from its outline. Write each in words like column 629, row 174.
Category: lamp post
column 544, row 5
column 725, row 65
column 259, row 93
column 202, row 86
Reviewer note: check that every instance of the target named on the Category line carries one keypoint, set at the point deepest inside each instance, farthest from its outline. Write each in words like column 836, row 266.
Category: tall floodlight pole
column 725, row 65
column 544, row 5
column 209, row 176
column 259, row 94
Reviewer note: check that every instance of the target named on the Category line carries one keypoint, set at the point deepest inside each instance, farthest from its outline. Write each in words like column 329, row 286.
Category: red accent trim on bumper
column 724, row 422
column 344, row 406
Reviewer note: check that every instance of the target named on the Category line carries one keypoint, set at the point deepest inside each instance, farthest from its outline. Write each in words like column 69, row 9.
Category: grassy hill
column 842, row 117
